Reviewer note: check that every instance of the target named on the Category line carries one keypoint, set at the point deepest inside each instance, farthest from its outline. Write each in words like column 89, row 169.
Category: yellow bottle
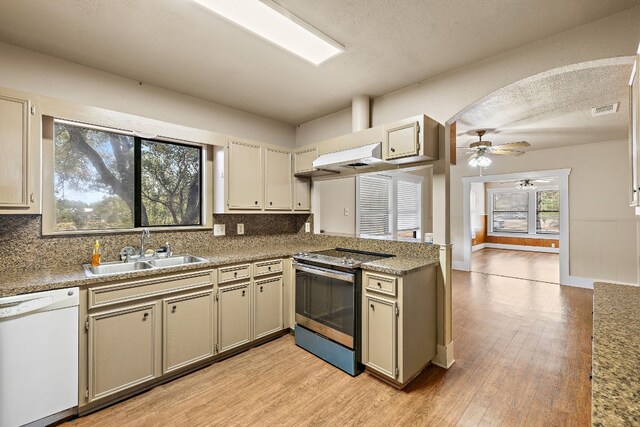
column 95, row 257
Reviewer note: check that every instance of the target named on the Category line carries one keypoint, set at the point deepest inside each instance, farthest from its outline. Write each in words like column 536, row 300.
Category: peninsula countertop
column 616, row 359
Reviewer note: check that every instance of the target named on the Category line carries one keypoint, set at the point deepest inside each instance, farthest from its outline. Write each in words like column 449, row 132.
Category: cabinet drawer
column 138, row 289
column 382, row 284
column 267, row 267
column 234, row 272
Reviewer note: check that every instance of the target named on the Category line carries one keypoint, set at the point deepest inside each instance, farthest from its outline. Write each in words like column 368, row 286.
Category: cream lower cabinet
column 234, row 315
column 398, row 324
column 267, row 313
column 188, row 330
column 136, row 331
column 124, row 348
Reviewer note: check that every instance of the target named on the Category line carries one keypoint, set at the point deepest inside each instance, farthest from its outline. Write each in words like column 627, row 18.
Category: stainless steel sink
column 176, row 260
column 137, row 265
column 116, row 267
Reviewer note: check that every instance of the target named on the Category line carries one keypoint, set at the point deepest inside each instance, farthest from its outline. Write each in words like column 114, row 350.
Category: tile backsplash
column 22, row 244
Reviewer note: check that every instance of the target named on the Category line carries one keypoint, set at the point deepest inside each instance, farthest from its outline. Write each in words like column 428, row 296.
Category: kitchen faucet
column 145, row 239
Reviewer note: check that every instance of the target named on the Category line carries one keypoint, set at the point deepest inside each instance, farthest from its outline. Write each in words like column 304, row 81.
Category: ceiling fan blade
column 541, row 180
column 518, row 144
column 501, row 152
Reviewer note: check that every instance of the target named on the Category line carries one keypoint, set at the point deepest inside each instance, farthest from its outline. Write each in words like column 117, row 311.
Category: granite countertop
column 399, row 265
column 616, row 355
column 44, row 279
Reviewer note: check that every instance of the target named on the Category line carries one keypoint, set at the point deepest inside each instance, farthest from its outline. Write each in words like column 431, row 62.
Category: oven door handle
column 325, row 272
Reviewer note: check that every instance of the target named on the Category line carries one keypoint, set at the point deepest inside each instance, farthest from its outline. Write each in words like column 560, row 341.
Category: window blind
column 408, row 205
column 374, row 213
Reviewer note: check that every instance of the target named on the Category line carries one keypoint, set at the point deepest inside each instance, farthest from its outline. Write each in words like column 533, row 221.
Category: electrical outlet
column 218, row 229
column 553, row 245
column 240, row 229
column 346, row 211
column 307, row 227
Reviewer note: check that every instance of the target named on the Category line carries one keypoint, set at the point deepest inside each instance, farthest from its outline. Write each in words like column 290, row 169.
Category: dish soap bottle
column 95, row 257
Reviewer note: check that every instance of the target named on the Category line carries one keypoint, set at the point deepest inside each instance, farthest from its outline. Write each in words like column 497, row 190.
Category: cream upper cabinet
column 303, row 160
column 20, row 145
column 411, row 140
column 301, row 194
column 244, row 175
column 634, row 138
column 124, row 349
column 267, row 315
column 278, row 179
column 234, row 315
column 188, row 330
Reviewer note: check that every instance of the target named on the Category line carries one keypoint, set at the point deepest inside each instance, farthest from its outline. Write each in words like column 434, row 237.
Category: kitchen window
column 105, row 179
column 389, row 206
column 532, row 212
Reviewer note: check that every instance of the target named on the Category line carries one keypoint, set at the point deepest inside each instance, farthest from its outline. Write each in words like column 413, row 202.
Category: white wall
column 603, row 228
column 479, row 209
column 28, row 71
column 444, row 96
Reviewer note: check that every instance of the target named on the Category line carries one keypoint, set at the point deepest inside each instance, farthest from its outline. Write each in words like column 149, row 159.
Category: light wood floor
column 523, row 356
column 538, row 266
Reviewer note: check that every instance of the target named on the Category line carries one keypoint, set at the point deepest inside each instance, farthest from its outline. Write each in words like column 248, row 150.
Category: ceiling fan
column 481, row 150
column 529, row 184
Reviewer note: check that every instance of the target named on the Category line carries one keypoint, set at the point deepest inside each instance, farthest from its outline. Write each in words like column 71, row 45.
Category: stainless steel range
column 328, row 295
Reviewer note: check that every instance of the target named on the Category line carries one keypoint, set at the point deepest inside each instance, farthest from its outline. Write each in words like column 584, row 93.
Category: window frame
column 531, row 215
column 393, row 203
column 49, row 200
column 538, row 191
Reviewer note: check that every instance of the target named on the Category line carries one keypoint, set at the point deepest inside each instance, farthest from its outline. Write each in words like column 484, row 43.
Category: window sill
column 124, row 231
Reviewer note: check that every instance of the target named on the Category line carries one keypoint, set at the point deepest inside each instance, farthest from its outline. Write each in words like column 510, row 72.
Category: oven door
column 325, row 302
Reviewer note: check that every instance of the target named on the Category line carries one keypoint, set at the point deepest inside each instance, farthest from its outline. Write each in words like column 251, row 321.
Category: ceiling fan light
column 479, row 161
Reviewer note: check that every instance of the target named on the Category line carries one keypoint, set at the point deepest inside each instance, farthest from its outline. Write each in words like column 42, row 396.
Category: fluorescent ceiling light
column 275, row 24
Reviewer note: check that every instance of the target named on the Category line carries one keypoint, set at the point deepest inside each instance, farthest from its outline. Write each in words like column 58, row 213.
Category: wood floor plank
column 523, row 355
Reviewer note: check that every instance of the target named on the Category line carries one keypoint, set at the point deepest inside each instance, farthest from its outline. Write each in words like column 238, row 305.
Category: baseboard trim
column 584, row 282
column 458, row 265
column 522, row 248
column 478, row 247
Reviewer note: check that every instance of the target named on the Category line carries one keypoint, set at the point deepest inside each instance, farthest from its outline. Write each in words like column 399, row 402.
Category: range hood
column 351, row 158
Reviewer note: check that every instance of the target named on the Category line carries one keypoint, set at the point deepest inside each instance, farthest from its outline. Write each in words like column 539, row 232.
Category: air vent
column 605, row 109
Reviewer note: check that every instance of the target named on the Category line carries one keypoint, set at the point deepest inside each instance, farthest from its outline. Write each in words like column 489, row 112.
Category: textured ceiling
column 389, row 44
column 554, row 111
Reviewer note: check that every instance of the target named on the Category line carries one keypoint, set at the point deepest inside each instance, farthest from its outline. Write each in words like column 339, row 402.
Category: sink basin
column 116, row 267
column 176, row 260
column 128, row 267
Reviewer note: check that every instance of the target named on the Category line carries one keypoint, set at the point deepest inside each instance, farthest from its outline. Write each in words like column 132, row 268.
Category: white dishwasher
column 38, row 357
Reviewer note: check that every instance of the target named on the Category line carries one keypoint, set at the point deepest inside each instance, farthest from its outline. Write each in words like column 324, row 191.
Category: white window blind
column 408, row 197
column 374, row 212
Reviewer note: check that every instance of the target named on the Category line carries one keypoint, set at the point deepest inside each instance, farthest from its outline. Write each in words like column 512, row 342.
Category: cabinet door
column 124, row 349
column 402, row 141
column 15, row 118
column 382, row 336
column 268, row 306
column 188, row 330
column 303, row 161
column 302, row 193
column 234, row 316
column 277, row 176
column 244, row 176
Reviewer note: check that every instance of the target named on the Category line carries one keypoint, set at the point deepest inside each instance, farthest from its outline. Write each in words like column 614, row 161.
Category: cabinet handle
column 373, row 307
column 175, row 307
column 270, row 203
column 243, row 293
column 144, row 317
column 235, row 273
column 260, row 288
column 299, row 204
column 393, row 150
column 269, row 268
column 256, row 202
column 379, row 285
column 32, row 197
